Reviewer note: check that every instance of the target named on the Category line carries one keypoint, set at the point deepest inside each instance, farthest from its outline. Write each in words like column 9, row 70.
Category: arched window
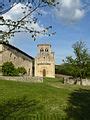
column 10, row 54
column 46, row 50
column 41, row 50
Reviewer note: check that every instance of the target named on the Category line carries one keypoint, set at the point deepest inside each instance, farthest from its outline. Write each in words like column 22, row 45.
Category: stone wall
column 23, row 79
column 85, row 82
column 69, row 80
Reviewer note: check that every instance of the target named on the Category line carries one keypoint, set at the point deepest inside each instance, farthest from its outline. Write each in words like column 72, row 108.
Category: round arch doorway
column 44, row 72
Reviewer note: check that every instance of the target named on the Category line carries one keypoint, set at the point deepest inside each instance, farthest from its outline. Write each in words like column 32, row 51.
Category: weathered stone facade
column 44, row 62
column 16, row 56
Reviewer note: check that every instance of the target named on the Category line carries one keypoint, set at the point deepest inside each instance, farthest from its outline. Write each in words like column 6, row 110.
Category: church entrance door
column 44, row 73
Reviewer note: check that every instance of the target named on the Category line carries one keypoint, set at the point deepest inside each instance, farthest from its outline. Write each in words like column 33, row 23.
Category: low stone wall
column 23, row 79
column 69, row 80
column 85, row 82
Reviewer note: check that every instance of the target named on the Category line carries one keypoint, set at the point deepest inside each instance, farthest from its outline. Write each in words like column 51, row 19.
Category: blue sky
column 67, row 32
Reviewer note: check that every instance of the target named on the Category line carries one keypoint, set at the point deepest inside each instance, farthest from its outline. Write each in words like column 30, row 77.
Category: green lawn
column 50, row 100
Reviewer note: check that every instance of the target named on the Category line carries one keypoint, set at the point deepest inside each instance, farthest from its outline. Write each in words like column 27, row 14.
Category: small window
column 29, row 71
column 10, row 54
column 23, row 59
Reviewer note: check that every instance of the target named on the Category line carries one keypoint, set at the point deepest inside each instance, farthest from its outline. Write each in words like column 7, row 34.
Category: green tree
column 80, row 64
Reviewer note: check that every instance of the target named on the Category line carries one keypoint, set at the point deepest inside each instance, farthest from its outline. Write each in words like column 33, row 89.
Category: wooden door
column 44, row 73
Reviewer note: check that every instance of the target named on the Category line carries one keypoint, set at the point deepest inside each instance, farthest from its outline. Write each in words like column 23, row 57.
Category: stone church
column 43, row 65
column 44, row 61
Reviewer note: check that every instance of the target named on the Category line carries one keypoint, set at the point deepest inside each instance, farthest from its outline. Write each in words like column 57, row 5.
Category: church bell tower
column 44, row 61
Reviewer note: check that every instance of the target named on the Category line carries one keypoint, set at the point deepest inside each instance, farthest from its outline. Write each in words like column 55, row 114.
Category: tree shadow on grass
column 79, row 105
column 19, row 108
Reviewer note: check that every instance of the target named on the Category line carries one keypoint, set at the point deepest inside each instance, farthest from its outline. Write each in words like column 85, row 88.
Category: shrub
column 8, row 69
column 21, row 70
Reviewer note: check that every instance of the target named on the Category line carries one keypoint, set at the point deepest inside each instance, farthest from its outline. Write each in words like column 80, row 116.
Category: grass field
column 50, row 100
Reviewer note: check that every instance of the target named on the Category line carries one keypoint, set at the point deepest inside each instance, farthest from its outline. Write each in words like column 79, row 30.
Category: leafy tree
column 80, row 64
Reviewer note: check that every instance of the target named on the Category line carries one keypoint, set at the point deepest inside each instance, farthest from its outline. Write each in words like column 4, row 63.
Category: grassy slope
column 51, row 98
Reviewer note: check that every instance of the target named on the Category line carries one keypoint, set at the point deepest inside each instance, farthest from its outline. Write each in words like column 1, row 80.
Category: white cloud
column 15, row 13
column 70, row 10
column 78, row 14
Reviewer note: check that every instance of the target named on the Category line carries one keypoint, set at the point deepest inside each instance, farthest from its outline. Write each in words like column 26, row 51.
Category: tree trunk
column 80, row 81
column 75, row 82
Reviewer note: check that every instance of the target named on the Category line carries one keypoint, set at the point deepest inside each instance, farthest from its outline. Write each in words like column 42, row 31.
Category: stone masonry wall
column 23, row 79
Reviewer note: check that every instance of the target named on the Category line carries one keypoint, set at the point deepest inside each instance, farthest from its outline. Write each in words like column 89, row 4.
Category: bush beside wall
column 8, row 69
